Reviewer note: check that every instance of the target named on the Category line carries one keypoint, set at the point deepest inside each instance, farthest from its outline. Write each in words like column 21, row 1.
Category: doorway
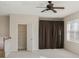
column 22, row 36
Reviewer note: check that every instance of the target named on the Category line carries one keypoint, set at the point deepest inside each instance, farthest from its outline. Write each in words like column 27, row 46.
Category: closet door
column 22, row 36
column 57, row 37
column 44, row 35
column 51, row 34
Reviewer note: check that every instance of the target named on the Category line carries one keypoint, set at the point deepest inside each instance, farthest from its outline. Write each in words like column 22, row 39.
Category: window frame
column 75, row 31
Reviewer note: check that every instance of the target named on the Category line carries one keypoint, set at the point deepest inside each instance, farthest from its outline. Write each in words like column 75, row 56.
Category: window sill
column 74, row 41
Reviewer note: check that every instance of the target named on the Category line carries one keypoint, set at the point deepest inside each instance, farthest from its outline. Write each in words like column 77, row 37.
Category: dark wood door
column 51, row 34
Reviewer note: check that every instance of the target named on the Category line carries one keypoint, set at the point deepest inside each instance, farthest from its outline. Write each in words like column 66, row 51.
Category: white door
column 7, row 47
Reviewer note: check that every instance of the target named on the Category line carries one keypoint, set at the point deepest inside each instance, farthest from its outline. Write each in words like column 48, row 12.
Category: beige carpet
column 46, row 53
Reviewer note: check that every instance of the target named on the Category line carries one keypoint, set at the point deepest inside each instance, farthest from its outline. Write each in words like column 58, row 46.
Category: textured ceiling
column 30, row 7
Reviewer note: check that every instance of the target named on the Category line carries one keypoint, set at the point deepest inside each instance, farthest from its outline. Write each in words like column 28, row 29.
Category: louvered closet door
column 22, row 37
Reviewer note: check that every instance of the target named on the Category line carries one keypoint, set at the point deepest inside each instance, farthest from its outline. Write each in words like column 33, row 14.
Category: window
column 73, row 30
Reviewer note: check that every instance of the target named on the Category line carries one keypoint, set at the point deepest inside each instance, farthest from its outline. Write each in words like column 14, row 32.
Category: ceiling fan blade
column 54, row 11
column 58, row 7
column 44, row 10
column 40, row 7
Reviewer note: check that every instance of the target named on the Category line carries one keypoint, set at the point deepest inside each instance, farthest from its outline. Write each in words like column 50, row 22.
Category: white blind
column 73, row 30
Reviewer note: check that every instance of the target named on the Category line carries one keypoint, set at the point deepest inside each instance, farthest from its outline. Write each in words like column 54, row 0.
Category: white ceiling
column 30, row 7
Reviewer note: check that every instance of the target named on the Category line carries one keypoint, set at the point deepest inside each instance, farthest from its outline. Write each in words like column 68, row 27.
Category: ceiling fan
column 50, row 6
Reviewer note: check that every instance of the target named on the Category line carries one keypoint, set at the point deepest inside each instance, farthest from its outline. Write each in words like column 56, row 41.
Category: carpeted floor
column 45, row 53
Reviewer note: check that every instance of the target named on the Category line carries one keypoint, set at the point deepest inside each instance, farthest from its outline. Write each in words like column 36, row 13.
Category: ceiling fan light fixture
column 51, row 7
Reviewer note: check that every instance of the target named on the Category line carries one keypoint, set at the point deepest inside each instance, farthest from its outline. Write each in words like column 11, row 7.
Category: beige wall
column 4, row 25
column 4, row 28
column 69, row 45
